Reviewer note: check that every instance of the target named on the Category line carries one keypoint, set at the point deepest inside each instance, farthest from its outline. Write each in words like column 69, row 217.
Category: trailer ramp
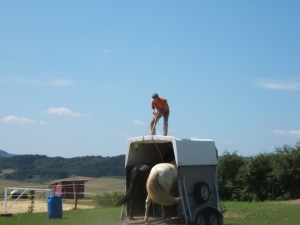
column 152, row 221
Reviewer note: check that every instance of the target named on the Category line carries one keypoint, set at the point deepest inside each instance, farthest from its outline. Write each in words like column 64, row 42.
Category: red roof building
column 68, row 189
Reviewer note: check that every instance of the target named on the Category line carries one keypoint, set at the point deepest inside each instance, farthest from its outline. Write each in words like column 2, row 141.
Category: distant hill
column 41, row 168
column 4, row 154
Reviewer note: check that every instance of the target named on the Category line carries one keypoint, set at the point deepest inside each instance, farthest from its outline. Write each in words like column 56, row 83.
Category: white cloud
column 295, row 132
column 59, row 83
column 137, row 122
column 35, row 82
column 281, row 86
column 106, row 50
column 42, row 123
column 64, row 112
column 291, row 133
column 291, row 85
column 279, row 132
column 14, row 119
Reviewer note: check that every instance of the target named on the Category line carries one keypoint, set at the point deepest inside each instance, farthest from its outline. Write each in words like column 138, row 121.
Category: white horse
column 161, row 181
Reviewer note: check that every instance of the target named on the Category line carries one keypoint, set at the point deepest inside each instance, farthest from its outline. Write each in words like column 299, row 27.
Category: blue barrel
column 54, row 204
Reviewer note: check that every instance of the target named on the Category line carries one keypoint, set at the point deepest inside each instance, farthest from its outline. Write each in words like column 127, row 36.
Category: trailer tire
column 200, row 219
column 212, row 218
column 201, row 192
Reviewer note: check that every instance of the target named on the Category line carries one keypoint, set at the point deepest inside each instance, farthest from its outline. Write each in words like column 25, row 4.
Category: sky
column 76, row 77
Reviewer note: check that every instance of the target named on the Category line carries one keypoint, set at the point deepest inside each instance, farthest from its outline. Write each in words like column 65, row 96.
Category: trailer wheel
column 201, row 192
column 212, row 218
column 200, row 219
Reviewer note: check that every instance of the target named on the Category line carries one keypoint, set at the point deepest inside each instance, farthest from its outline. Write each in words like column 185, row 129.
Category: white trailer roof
column 187, row 152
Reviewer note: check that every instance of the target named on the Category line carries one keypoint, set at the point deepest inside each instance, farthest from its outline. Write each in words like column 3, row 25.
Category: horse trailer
column 197, row 187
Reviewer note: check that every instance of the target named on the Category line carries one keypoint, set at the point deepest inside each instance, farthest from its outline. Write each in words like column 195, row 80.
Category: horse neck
column 173, row 162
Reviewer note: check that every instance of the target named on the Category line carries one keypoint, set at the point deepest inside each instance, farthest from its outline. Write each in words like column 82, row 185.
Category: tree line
column 267, row 176
column 43, row 168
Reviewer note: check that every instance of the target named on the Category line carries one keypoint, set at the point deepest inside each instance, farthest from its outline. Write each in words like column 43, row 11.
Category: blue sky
column 76, row 77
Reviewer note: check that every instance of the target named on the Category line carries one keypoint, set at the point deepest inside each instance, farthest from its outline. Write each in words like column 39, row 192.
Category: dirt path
column 39, row 206
column 140, row 220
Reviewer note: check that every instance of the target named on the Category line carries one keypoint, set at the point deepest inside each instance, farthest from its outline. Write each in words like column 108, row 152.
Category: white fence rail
column 6, row 207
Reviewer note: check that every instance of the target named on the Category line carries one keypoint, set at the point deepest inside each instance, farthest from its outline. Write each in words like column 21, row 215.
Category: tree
column 286, row 171
column 228, row 167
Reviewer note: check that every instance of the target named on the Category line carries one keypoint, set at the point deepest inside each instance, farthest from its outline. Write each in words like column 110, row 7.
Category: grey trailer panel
column 196, row 152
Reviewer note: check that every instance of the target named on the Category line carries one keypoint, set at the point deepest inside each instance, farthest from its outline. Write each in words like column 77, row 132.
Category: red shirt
column 161, row 105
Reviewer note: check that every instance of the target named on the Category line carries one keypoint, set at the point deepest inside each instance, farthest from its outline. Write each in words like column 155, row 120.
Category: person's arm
column 153, row 108
column 165, row 105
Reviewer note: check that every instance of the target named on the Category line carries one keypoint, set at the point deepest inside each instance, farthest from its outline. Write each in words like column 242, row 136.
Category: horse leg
column 163, row 212
column 147, row 205
column 130, row 210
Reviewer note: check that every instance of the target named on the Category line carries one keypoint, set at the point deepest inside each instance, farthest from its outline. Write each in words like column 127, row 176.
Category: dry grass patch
column 101, row 185
column 21, row 206
column 7, row 171
column 289, row 202
column 232, row 215
column 93, row 186
column 14, row 183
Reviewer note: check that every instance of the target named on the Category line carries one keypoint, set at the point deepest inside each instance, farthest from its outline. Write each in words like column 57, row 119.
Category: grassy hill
column 40, row 168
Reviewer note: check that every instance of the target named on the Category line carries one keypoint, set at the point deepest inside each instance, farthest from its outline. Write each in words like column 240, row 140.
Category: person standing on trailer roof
column 161, row 106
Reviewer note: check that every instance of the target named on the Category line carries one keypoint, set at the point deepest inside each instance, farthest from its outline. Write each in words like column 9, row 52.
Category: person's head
column 155, row 96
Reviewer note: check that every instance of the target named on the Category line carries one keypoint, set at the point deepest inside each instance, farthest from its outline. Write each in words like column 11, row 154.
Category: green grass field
column 96, row 216
column 262, row 213
column 238, row 213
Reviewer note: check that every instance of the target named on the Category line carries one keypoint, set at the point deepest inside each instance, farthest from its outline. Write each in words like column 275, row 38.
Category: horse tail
column 157, row 194
column 132, row 188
